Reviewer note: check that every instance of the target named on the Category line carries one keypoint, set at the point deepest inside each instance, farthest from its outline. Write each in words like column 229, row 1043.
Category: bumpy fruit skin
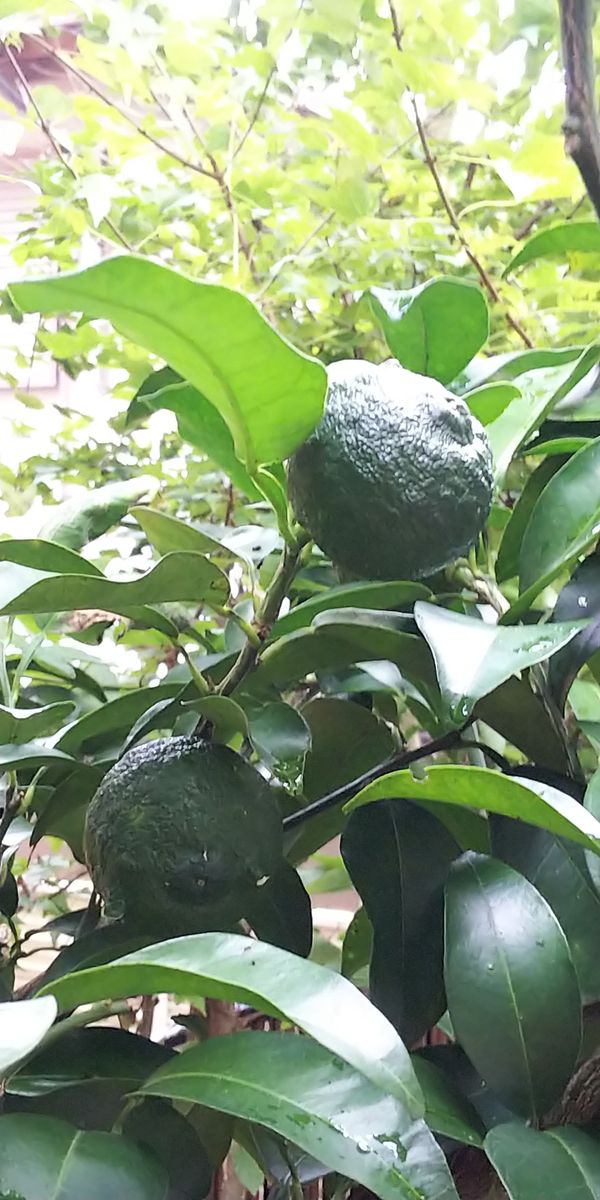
column 396, row 481
column 177, row 833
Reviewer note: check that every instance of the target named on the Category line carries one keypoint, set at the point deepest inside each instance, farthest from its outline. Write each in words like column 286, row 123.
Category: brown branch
column 96, row 91
column 46, row 130
column 485, row 278
column 396, row 30
column 582, row 135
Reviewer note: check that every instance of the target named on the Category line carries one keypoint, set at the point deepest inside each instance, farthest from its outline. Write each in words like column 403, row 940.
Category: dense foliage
column 261, row 194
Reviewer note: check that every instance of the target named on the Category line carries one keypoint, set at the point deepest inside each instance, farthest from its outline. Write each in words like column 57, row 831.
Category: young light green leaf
column 480, row 788
column 560, row 1164
column 488, row 402
column 213, row 337
column 435, row 328
column 23, row 1024
column 511, row 984
column 473, row 657
column 559, row 240
column 231, row 967
column 308, row 1096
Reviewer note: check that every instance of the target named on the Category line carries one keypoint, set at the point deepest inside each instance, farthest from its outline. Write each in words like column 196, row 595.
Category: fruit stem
column 267, row 612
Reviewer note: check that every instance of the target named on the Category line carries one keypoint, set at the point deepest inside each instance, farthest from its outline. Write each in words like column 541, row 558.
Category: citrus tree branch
column 484, row 275
column 394, row 763
column 266, row 615
column 582, row 135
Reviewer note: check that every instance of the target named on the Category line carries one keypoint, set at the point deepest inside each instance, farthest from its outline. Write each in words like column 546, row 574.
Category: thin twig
column 396, row 30
column 395, row 762
column 582, row 134
column 255, row 114
column 46, row 130
column 96, row 91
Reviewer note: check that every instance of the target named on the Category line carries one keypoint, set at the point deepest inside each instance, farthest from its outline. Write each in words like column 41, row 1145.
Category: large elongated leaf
column 23, row 724
column 198, row 422
column 511, row 985
column 280, row 912
column 540, row 393
column 113, row 718
column 559, row 240
column 351, row 595
column 561, row 1164
column 30, row 754
column 557, row 868
column 473, row 657
column 580, row 595
column 83, row 1056
column 303, row 1093
column 23, row 1024
column 398, row 857
column 43, row 1156
column 507, row 563
column 46, row 556
column 168, row 534
column 564, row 522
column 435, row 328
column 447, row 1110
column 182, row 576
column 231, row 967
column 213, row 337
column 79, row 521
column 477, row 787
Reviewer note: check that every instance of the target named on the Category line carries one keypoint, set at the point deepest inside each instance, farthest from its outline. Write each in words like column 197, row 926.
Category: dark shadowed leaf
column 398, row 857
column 279, row 735
column 557, row 868
column 302, row 1092
column 358, row 944
column 213, row 337
column 561, row 1164
column 156, row 1127
column 519, row 715
column 579, row 597
column 561, row 239
column 43, row 1156
column 82, row 1056
column 511, row 985
column 112, row 719
column 435, row 328
column 280, row 912
column 231, row 967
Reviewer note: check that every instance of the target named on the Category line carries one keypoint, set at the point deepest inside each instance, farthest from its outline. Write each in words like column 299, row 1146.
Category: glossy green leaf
column 79, row 521
column 22, row 724
column 560, row 1164
column 46, row 556
column 43, row 1156
column 214, row 337
column 30, row 754
column 280, row 912
column 480, row 788
column 279, row 735
column 224, row 714
column 511, row 985
column 591, row 802
column 287, row 1084
column 540, row 393
column 179, row 576
column 198, row 422
column 447, row 1110
column 168, row 534
column 564, row 522
column 347, row 740
column 507, row 562
column 557, row 868
column 23, row 1024
column 351, row 595
column 435, row 328
column 472, row 657
column 559, row 240
column 82, row 1056
column 557, row 446
column 231, row 967
column 580, row 595
column 398, row 857
column 488, row 402
column 112, row 719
